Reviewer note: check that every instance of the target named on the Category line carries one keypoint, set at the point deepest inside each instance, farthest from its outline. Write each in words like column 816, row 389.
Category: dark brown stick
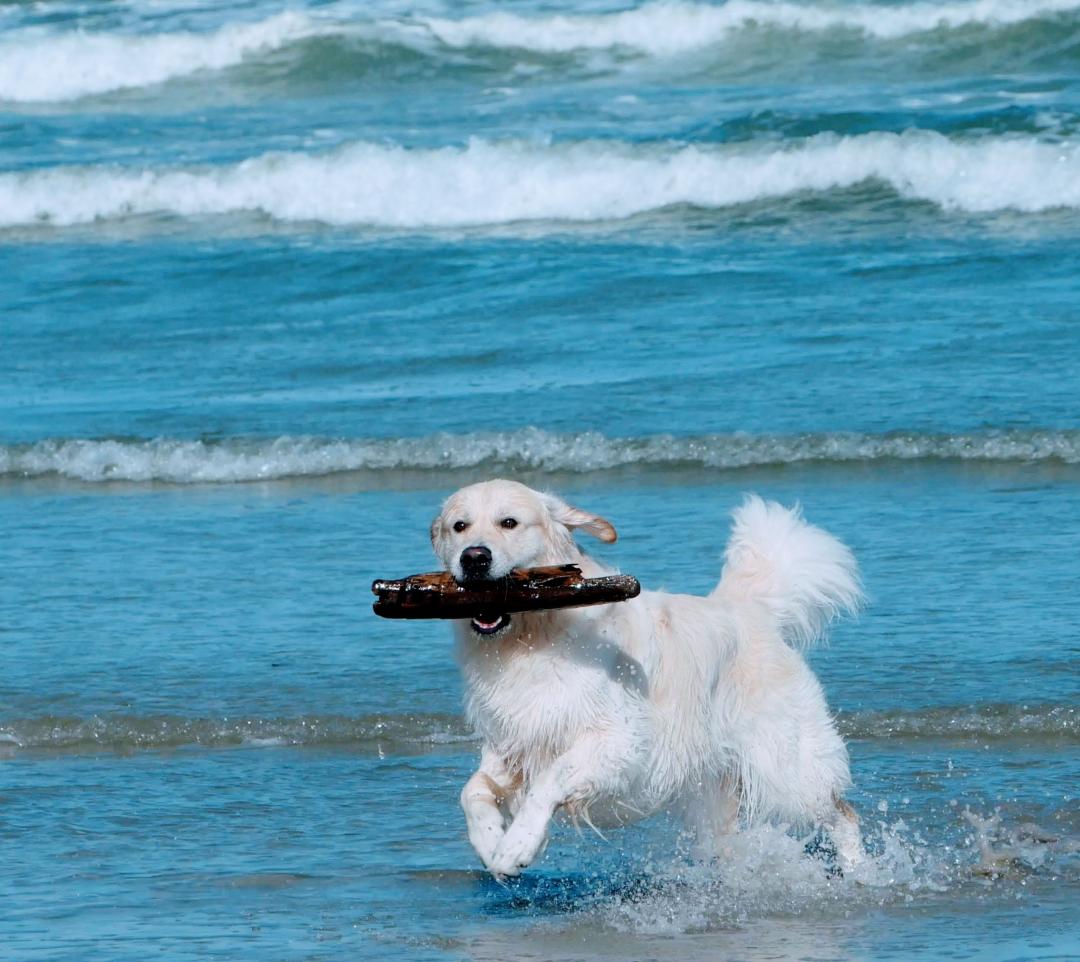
column 438, row 595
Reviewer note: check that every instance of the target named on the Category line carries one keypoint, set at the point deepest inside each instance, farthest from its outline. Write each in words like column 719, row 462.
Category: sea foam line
column 100, row 62
column 497, row 183
column 119, row 732
column 241, row 460
column 431, row 731
column 670, row 27
column 988, row 722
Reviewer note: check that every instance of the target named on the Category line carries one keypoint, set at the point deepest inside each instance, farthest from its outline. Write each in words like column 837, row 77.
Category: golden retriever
column 700, row 705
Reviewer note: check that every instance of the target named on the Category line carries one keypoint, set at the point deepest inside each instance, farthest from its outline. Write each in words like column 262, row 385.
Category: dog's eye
column 509, row 523
column 460, row 526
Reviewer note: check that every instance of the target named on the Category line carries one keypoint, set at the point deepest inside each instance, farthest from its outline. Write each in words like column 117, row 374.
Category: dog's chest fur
column 532, row 704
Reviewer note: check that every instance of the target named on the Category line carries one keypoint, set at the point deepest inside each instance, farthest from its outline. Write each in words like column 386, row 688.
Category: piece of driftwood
column 438, row 595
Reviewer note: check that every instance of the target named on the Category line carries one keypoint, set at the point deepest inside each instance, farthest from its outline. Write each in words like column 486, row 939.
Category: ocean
column 277, row 277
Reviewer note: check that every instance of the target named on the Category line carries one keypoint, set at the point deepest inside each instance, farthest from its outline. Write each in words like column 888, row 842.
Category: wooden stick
column 438, row 595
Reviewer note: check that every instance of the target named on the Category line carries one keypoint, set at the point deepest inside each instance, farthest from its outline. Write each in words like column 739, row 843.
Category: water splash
column 766, row 874
column 1011, row 851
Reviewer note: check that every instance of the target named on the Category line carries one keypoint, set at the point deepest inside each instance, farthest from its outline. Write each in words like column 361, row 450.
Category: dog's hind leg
column 841, row 821
column 711, row 816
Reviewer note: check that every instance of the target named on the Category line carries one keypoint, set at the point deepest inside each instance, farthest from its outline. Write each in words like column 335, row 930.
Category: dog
column 702, row 706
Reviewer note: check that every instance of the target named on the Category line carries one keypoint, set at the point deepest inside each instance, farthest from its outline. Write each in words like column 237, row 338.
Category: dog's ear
column 574, row 518
column 436, row 531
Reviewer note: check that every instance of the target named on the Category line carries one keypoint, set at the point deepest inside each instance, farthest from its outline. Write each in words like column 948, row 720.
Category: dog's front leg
column 572, row 777
column 481, row 798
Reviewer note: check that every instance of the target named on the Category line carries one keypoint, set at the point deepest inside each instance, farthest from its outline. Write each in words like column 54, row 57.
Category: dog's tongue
column 489, row 624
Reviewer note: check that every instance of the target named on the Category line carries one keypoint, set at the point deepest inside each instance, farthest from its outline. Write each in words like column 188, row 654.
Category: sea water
column 275, row 278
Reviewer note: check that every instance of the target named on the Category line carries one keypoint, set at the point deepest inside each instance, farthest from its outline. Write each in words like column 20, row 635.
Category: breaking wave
column 410, row 734
column 530, row 449
column 495, row 183
column 100, row 62
column 668, row 28
column 96, row 63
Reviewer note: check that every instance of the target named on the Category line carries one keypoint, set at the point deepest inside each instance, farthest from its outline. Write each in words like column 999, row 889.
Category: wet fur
column 703, row 705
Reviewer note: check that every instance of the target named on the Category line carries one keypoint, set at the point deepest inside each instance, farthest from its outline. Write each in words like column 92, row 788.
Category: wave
column 669, row 28
column 101, row 62
column 496, row 183
column 96, row 63
column 417, row 733
column 1000, row 722
column 402, row 734
column 240, row 460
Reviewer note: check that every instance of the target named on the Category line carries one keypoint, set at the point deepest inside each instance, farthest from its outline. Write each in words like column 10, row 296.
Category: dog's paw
column 517, row 850
column 485, row 834
column 485, row 849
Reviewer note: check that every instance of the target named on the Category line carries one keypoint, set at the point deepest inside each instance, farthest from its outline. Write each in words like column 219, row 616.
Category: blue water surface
column 276, row 279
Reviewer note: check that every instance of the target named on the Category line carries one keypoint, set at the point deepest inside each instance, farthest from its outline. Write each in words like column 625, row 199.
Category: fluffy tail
column 801, row 573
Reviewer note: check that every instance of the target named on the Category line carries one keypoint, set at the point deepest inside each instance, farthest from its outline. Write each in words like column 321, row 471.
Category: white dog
column 701, row 705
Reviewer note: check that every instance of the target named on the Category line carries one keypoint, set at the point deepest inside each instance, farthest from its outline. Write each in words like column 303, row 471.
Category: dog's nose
column 476, row 561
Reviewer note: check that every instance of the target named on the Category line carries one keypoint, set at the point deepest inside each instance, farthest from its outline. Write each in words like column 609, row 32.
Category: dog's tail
column 802, row 574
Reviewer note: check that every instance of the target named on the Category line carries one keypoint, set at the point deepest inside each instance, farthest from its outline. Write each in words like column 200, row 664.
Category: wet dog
column 702, row 705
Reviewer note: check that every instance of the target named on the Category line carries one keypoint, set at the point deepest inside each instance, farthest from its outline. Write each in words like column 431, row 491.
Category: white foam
column 765, row 871
column 485, row 183
column 668, row 28
column 38, row 65
column 763, row 879
column 194, row 462
column 100, row 62
column 1007, row 850
column 976, row 723
column 125, row 732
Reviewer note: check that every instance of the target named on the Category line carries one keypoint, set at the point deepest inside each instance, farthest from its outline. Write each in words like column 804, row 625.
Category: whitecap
column 99, row 62
column 670, row 27
column 497, row 183
column 180, row 461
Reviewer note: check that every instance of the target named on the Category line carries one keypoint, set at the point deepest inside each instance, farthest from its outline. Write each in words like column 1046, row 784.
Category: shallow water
column 276, row 279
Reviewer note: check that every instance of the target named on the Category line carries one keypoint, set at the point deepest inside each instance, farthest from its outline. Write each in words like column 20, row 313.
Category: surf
column 239, row 460
column 106, row 61
column 492, row 183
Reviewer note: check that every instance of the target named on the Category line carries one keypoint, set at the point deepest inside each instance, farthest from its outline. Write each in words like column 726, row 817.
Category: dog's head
column 486, row 530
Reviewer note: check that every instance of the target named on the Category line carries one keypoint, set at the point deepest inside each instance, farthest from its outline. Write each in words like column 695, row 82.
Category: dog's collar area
column 490, row 624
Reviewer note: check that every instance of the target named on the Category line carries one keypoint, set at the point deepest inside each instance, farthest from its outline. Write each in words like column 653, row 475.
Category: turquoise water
column 276, row 278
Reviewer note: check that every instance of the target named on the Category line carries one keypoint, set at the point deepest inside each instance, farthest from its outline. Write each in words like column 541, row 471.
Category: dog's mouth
column 490, row 624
